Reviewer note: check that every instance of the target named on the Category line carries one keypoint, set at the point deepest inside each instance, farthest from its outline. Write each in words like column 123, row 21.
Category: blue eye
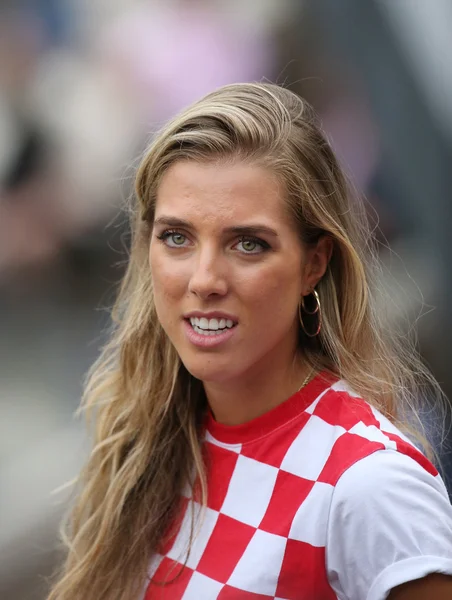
column 173, row 239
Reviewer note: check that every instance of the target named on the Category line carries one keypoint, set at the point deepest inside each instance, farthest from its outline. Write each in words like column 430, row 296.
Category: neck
column 238, row 401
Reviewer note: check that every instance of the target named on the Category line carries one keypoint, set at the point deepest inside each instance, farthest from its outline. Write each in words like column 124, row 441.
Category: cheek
column 168, row 281
column 272, row 295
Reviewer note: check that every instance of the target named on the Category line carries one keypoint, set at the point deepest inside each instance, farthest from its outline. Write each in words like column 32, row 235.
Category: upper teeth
column 213, row 324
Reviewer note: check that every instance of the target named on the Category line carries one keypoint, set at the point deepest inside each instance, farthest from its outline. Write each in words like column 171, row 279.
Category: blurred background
column 83, row 86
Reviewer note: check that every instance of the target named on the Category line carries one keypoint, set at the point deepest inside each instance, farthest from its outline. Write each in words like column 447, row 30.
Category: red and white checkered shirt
column 265, row 530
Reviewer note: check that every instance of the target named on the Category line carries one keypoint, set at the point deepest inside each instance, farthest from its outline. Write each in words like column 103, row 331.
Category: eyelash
column 249, row 238
column 244, row 238
column 168, row 233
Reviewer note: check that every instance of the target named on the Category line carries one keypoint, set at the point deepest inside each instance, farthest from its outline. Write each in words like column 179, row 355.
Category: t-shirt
column 320, row 498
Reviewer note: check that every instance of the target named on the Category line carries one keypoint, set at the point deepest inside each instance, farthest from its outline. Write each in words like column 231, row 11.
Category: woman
column 232, row 459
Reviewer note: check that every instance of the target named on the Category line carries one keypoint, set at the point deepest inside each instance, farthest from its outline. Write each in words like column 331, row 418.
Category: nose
column 208, row 277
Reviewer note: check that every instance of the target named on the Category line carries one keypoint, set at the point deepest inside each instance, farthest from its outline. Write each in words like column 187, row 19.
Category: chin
column 209, row 370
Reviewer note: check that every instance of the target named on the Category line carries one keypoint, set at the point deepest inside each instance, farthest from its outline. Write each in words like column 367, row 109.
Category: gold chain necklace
column 307, row 380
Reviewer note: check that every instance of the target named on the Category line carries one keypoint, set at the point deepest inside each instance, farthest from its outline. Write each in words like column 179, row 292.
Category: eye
column 252, row 245
column 172, row 238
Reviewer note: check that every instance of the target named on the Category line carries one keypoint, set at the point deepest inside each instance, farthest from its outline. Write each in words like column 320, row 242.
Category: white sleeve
column 390, row 522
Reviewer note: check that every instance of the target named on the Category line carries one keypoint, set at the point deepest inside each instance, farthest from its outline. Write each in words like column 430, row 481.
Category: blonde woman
column 249, row 406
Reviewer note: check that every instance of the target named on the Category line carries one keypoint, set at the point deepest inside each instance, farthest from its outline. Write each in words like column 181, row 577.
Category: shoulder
column 389, row 481
column 357, row 430
column 390, row 522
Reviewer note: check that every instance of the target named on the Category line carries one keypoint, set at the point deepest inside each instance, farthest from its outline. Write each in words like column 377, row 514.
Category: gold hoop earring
column 317, row 302
column 317, row 310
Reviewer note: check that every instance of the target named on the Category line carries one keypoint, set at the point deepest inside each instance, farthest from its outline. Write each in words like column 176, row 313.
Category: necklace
column 307, row 380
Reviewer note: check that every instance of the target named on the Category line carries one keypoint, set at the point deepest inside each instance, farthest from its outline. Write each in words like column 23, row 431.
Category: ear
column 317, row 258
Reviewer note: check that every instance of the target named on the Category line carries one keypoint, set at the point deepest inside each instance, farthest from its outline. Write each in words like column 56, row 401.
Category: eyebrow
column 252, row 228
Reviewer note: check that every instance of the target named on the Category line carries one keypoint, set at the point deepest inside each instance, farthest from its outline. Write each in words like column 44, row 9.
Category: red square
column 233, row 593
column 289, row 493
column 339, row 408
column 303, row 573
column 225, row 547
column 169, row 581
column 218, row 478
column 347, row 450
column 272, row 449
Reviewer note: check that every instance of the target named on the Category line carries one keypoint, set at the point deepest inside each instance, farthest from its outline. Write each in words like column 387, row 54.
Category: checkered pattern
column 270, row 483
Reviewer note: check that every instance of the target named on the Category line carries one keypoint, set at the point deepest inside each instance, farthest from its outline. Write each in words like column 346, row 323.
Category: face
column 228, row 269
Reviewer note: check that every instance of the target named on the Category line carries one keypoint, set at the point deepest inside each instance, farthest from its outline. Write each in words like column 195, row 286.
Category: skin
column 433, row 587
column 205, row 266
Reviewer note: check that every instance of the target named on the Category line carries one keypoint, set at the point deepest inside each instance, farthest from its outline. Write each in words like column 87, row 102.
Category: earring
column 317, row 309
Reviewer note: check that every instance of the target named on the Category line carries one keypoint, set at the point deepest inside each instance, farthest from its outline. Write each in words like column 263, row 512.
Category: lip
column 215, row 314
column 207, row 341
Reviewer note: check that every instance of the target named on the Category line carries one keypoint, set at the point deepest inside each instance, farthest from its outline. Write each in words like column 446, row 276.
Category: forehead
column 221, row 192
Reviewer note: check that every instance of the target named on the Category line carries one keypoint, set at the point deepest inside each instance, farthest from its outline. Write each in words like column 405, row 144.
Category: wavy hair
column 147, row 409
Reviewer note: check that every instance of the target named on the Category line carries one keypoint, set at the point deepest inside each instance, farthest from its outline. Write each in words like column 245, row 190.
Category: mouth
column 210, row 327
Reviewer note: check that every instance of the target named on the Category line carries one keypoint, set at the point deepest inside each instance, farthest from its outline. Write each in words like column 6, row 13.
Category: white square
column 204, row 521
column 154, row 565
column 386, row 425
column 311, row 520
column 260, row 566
column 203, row 587
column 342, row 386
column 249, row 491
column 372, row 433
column 310, row 450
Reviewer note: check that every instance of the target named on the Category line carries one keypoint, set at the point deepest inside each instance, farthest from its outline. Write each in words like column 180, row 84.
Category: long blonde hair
column 147, row 409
